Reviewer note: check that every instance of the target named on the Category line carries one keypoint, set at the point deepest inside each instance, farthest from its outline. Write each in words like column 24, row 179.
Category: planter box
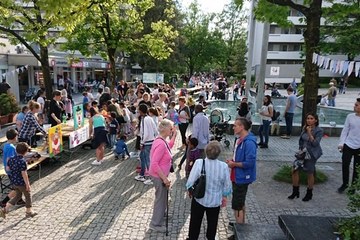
column 4, row 120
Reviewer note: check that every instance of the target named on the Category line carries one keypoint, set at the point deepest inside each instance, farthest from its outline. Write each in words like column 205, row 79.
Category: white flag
column 350, row 67
column 315, row 57
column 357, row 68
column 321, row 63
column 327, row 61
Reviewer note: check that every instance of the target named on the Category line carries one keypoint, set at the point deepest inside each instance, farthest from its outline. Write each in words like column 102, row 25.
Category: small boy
column 121, row 148
column 9, row 152
column 113, row 129
column 20, row 179
column 172, row 113
column 192, row 154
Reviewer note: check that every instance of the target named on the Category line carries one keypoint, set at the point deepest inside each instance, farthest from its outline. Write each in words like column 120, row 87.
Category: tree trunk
column 111, row 56
column 45, row 67
column 311, row 37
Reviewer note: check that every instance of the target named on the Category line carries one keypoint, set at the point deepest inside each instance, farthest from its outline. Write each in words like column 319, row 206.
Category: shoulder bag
column 198, row 189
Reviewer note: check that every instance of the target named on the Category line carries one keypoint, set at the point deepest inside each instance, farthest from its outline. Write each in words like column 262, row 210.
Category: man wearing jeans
column 289, row 112
column 148, row 132
column 349, row 145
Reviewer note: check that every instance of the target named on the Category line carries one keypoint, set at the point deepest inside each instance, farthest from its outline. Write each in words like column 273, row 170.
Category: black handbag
column 198, row 188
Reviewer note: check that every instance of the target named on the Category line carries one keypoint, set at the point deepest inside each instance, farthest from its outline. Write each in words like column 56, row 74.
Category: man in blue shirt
column 9, row 152
column 289, row 112
column 200, row 129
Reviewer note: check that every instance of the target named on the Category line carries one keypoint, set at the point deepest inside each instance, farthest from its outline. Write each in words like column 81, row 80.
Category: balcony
column 278, row 55
column 286, row 38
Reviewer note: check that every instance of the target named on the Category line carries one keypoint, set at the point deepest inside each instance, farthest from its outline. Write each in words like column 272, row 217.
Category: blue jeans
column 145, row 158
column 289, row 122
column 264, row 131
column 112, row 139
column 331, row 102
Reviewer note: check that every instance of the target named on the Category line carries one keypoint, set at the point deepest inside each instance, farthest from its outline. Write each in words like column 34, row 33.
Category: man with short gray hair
column 201, row 128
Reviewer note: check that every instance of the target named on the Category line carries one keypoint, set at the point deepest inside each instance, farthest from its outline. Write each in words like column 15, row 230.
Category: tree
column 231, row 23
column 37, row 24
column 277, row 11
column 112, row 26
column 342, row 29
column 199, row 45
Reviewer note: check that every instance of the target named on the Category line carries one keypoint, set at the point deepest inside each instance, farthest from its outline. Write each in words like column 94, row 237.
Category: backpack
column 334, row 93
column 275, row 115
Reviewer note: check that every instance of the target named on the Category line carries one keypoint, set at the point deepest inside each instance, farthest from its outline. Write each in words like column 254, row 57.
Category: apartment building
column 284, row 56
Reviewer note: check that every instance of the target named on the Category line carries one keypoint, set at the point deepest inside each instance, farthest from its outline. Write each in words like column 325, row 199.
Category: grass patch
column 284, row 175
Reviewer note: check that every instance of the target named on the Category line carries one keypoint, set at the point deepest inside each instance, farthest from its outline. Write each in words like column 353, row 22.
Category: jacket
column 313, row 147
column 246, row 154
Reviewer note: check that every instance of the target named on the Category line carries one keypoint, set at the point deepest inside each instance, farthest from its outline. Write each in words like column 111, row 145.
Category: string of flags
column 337, row 66
column 17, row 70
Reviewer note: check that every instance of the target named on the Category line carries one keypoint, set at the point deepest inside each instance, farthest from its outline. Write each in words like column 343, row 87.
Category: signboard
column 78, row 116
column 153, row 78
column 55, row 140
column 274, row 71
column 79, row 136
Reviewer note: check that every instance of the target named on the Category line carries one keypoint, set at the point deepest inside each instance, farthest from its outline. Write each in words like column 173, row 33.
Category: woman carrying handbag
column 217, row 189
column 310, row 139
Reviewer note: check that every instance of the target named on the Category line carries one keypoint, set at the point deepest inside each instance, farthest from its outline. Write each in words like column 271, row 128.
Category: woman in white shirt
column 218, row 188
column 266, row 112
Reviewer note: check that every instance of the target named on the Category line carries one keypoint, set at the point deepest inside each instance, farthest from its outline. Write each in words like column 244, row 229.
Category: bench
column 33, row 164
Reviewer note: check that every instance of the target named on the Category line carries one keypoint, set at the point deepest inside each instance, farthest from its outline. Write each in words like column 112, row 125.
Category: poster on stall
column 79, row 136
column 55, row 140
column 78, row 116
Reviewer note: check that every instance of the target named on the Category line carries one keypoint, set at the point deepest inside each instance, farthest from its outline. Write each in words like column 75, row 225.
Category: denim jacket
column 313, row 147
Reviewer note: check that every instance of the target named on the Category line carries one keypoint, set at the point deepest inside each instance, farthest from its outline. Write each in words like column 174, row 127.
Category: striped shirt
column 218, row 182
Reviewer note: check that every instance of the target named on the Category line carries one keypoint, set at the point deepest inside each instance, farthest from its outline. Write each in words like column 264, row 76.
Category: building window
column 272, row 29
column 284, row 48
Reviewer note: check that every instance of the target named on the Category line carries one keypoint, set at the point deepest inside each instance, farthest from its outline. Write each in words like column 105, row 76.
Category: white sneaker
column 96, row 162
column 140, row 178
column 148, row 182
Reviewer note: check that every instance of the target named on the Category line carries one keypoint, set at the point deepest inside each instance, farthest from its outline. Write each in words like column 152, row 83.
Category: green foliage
column 284, row 175
column 349, row 227
column 270, row 12
column 342, row 30
column 8, row 104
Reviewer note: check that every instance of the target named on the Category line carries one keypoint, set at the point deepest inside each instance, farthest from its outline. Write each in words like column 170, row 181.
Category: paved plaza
column 76, row 200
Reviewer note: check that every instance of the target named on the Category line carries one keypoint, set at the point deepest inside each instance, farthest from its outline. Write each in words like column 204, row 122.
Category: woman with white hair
column 105, row 96
column 160, row 164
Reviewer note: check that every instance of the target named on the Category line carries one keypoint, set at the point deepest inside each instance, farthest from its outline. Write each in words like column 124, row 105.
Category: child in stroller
column 218, row 126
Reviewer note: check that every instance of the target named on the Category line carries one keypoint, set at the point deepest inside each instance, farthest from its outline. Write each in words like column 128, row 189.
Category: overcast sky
column 207, row 5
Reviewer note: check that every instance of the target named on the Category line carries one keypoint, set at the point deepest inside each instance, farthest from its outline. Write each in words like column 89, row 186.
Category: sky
column 207, row 6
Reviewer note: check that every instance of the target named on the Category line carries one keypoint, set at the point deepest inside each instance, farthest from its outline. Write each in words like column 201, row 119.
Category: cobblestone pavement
column 76, row 200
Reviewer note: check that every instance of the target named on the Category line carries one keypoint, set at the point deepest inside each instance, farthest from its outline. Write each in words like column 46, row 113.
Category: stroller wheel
column 227, row 143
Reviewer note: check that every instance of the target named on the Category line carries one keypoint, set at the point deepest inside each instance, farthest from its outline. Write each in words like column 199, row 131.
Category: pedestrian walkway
column 76, row 200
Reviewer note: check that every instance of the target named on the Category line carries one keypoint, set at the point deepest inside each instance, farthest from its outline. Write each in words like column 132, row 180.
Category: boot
column 308, row 195
column 295, row 193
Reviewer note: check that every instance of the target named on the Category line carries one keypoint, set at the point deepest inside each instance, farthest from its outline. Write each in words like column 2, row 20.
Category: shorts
column 239, row 196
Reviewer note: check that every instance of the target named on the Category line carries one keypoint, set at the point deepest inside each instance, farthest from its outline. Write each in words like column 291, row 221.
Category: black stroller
column 218, row 126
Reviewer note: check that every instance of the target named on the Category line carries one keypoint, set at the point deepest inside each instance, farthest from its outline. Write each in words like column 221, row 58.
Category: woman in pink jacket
column 160, row 164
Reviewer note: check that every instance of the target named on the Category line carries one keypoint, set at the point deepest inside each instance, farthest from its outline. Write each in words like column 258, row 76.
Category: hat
column 331, row 83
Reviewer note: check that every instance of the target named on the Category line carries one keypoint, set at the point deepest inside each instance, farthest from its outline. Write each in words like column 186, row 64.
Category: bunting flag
column 17, row 70
column 336, row 66
column 357, row 68
column 350, row 68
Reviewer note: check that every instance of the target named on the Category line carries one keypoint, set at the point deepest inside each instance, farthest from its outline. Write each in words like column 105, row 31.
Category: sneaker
column 158, row 229
column 285, row 137
column 148, row 182
column 260, row 144
column 31, row 214
column 342, row 189
column 264, row 146
column 96, row 163
column 20, row 203
column 140, row 178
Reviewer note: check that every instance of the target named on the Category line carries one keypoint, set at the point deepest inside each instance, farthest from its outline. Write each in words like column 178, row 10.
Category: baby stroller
column 218, row 126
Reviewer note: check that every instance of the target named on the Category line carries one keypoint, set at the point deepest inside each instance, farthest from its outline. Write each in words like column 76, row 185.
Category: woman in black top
column 55, row 109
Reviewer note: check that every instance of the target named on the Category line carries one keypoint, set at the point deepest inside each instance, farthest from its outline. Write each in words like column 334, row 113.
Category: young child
column 9, row 151
column 192, row 154
column 121, row 148
column 172, row 114
column 113, row 129
column 20, row 179
column 275, row 127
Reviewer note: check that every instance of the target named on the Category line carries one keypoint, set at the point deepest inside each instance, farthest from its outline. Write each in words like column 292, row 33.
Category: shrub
column 284, row 175
column 8, row 104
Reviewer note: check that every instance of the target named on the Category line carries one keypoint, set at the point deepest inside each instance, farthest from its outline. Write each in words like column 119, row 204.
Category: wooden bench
column 33, row 164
